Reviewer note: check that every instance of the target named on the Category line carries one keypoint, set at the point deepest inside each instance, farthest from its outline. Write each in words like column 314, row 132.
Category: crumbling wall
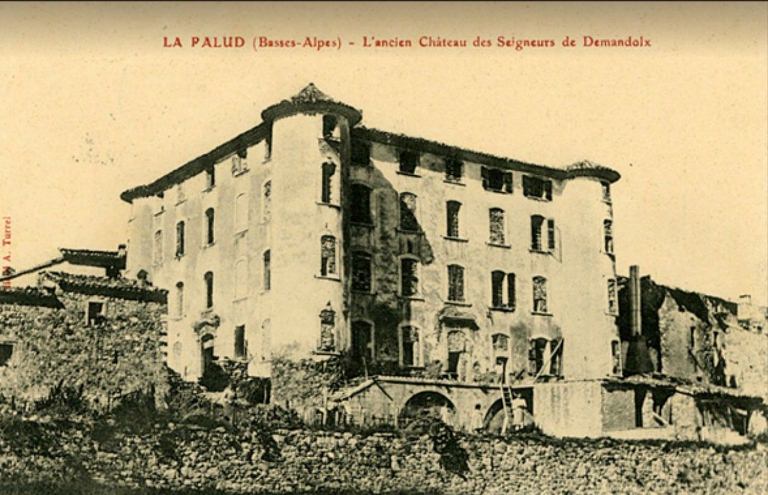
column 55, row 350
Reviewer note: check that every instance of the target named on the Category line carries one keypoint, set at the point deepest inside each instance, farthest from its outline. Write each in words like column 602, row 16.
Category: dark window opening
column 208, row 277
column 452, row 209
column 606, row 188
column 455, row 283
column 361, row 153
column 498, row 279
column 616, row 357
column 533, row 187
column 536, row 232
column 209, row 226
column 550, row 234
column 361, row 272
column 612, row 304
column 267, row 270
column 409, row 277
column 6, row 352
column 330, row 123
column 409, row 160
column 210, row 177
column 456, row 347
column 496, row 180
column 95, row 314
column 454, row 170
column 536, row 354
column 410, row 339
column 180, row 239
column 360, row 201
column 608, row 234
column 362, row 342
column 408, row 219
column 240, row 344
column 329, row 168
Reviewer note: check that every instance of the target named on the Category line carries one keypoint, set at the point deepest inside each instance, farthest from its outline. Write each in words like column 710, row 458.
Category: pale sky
column 92, row 104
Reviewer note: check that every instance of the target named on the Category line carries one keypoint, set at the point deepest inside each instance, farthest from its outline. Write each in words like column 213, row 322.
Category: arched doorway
column 428, row 405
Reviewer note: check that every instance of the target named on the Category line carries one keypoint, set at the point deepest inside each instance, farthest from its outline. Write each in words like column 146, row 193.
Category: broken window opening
column 556, row 357
column 409, row 336
column 362, row 342
column 616, row 357
column 240, row 343
column 498, row 279
column 537, row 350
column 6, row 352
column 454, row 170
column 329, row 168
column 361, row 153
column 361, row 272
column 327, row 330
column 239, row 163
column 408, row 220
column 456, row 347
column 612, row 301
column 267, row 270
column 496, row 180
column 95, row 313
column 608, row 233
column 331, row 127
column 534, row 187
column 209, row 226
column 360, row 204
column 327, row 255
column 539, row 294
column 452, row 209
column 409, row 277
column 208, row 277
column 496, row 226
column 456, row 283
column 409, row 160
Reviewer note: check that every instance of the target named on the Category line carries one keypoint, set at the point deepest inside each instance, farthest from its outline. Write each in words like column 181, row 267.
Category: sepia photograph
column 390, row 248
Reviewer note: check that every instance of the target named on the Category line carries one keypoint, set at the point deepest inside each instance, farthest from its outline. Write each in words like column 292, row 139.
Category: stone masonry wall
column 219, row 461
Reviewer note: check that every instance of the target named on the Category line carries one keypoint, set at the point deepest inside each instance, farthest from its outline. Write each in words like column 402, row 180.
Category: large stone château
column 313, row 233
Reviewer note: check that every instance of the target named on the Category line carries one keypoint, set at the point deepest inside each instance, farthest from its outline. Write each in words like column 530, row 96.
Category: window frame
column 179, row 298
column 368, row 220
column 355, row 255
column 530, row 185
column 334, row 262
column 450, row 289
column 457, row 235
column 414, row 213
column 242, row 212
column 417, row 262
column 266, row 267
column 181, row 239
column 547, row 306
column 93, row 321
column 417, row 354
column 451, row 178
column 208, row 293
column 506, row 177
column 490, row 241
column 209, row 226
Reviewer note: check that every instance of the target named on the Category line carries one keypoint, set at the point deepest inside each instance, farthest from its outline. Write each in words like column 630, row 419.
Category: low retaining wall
column 333, row 462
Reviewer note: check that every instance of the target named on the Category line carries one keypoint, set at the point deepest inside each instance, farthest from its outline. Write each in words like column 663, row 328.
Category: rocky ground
column 73, row 459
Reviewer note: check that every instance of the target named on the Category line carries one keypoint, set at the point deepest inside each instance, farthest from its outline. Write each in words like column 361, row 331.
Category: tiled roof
column 92, row 257
column 312, row 100
column 29, row 296
column 122, row 288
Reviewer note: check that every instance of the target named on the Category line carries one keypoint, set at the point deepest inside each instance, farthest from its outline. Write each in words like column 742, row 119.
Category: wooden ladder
column 506, row 404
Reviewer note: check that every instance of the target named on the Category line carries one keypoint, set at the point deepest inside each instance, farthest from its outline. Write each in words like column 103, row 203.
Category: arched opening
column 428, row 405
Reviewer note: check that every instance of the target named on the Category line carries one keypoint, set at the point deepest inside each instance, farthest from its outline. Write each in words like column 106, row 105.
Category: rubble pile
column 184, row 458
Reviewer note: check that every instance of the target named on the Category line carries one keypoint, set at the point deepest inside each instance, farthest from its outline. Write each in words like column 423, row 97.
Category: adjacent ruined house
column 100, row 337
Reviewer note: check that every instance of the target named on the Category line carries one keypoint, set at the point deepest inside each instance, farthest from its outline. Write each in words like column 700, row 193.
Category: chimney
column 638, row 358
column 635, row 316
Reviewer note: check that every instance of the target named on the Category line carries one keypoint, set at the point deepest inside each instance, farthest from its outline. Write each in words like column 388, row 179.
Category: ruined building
column 443, row 276
column 99, row 336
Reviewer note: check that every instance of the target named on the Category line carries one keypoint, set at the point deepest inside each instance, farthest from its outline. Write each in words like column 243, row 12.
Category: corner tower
column 309, row 157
